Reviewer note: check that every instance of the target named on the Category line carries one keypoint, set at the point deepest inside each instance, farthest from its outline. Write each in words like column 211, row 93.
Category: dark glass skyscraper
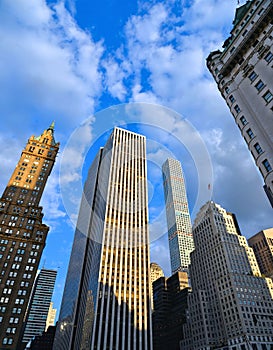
column 22, row 233
column 35, row 320
column 106, row 302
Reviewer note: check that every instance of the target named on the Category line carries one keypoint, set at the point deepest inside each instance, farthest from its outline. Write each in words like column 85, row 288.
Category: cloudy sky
column 92, row 65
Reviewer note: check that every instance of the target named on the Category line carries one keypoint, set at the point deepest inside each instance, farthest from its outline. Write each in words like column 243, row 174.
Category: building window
column 260, row 85
column 258, row 148
column 267, row 165
column 227, row 90
column 243, row 120
column 232, row 98
column 237, row 109
column 250, row 133
column 268, row 96
column 268, row 57
column 252, row 76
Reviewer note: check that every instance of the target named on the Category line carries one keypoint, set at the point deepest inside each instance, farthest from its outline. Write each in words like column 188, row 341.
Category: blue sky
column 68, row 61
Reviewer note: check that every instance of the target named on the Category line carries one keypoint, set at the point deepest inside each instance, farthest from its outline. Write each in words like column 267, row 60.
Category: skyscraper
column 22, row 233
column 231, row 305
column 106, row 302
column 169, row 315
column 37, row 312
column 178, row 217
column 262, row 245
column 243, row 73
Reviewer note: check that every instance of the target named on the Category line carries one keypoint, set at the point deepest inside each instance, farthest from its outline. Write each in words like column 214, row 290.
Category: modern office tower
column 231, row 305
column 106, row 302
column 155, row 272
column 50, row 320
column 243, row 73
column 22, row 233
column 178, row 217
column 262, row 245
column 169, row 315
column 39, row 305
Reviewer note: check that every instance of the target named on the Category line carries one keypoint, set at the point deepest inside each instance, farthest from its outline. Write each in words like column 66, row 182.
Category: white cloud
column 52, row 69
column 48, row 64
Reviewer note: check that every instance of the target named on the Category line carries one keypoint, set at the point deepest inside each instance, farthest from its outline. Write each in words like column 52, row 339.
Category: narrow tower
column 178, row 217
column 106, row 302
column 22, row 233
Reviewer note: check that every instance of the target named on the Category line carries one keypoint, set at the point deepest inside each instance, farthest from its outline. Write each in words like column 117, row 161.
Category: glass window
column 243, row 120
column 260, row 85
column 268, row 96
column 237, row 109
column 268, row 57
column 252, row 76
column 250, row 133
column 258, row 148
column 267, row 165
column 232, row 98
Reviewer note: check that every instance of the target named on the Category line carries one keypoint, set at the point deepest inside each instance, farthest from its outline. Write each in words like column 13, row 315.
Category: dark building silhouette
column 22, row 233
column 43, row 341
column 170, row 304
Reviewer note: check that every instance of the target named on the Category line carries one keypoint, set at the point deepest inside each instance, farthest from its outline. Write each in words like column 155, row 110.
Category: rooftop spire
column 52, row 125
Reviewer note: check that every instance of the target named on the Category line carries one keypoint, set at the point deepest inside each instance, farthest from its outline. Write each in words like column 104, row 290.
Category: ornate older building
column 106, row 302
column 243, row 72
column 22, row 233
column 231, row 305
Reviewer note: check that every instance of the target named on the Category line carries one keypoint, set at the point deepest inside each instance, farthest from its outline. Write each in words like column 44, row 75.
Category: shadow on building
column 170, row 305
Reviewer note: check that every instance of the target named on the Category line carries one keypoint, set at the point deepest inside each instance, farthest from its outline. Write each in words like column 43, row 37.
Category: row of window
column 268, row 96
column 259, row 150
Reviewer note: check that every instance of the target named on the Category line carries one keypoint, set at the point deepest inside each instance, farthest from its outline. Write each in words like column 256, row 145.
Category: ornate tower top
column 22, row 232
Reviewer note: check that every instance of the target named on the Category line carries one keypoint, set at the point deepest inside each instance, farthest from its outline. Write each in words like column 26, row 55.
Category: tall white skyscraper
column 178, row 217
column 106, row 302
column 243, row 73
column 231, row 304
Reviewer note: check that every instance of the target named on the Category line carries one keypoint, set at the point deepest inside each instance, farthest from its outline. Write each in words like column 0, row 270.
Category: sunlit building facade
column 155, row 272
column 178, row 217
column 106, row 302
column 243, row 73
column 262, row 244
column 22, row 233
column 231, row 304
